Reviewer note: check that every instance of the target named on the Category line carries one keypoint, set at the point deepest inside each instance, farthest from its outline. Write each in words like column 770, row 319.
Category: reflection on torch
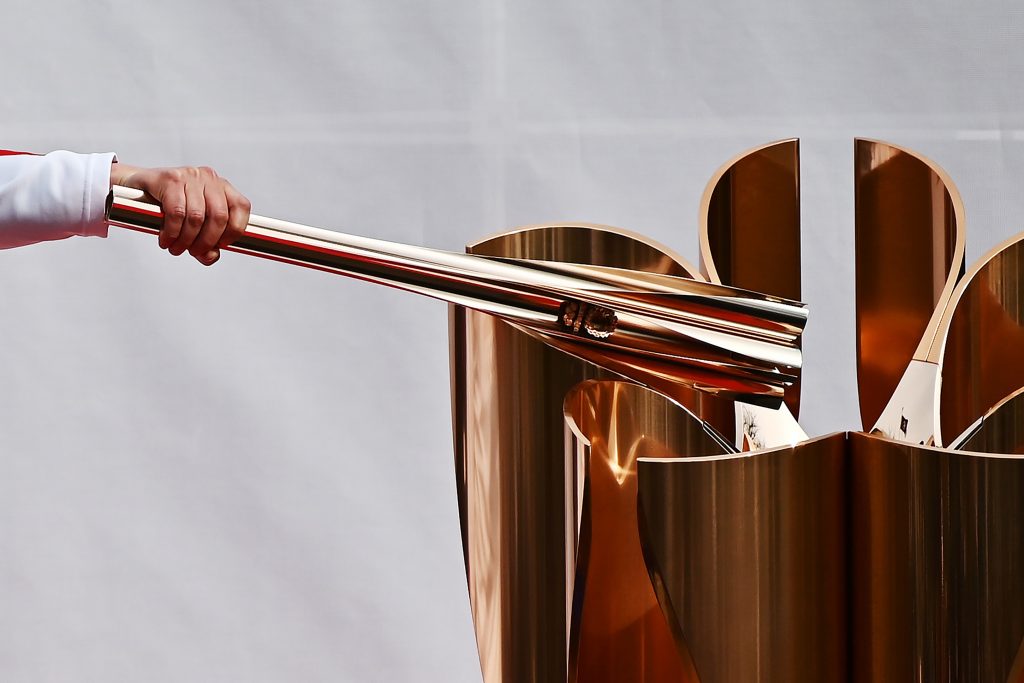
column 663, row 331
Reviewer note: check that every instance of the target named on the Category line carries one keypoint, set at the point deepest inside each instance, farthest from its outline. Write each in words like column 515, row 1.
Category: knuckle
column 195, row 218
column 176, row 212
column 207, row 172
column 219, row 216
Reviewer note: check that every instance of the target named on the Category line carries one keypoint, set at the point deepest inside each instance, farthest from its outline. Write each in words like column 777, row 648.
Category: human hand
column 202, row 211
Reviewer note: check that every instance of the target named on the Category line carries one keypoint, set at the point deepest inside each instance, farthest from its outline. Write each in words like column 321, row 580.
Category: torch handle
column 736, row 334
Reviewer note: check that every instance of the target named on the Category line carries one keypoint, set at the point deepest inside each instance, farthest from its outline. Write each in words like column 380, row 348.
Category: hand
column 202, row 211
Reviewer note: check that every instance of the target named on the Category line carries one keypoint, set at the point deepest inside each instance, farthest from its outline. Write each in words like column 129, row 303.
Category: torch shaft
column 669, row 319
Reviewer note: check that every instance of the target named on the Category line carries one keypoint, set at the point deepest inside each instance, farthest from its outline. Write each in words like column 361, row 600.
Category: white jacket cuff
column 53, row 196
column 94, row 198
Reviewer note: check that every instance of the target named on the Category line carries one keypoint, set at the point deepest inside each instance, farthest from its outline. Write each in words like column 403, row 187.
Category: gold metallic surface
column 910, row 251
column 748, row 557
column 619, row 632
column 1000, row 430
column 695, row 332
column 937, row 560
column 511, row 470
column 750, row 226
column 982, row 360
column 750, row 221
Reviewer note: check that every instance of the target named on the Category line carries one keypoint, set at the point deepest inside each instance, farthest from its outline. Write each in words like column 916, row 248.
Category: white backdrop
column 245, row 473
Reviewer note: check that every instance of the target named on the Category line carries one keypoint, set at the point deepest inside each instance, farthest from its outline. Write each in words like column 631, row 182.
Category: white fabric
column 52, row 197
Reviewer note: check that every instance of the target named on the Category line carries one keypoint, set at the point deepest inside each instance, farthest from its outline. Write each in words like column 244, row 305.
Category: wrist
column 120, row 174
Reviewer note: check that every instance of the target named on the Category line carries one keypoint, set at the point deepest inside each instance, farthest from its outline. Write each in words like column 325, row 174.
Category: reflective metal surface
column 618, row 630
column 910, row 252
column 1000, row 430
column 695, row 332
column 608, row 533
column 748, row 558
column 937, row 560
column 750, row 237
column 749, row 228
column 982, row 359
column 750, row 221
column 511, row 471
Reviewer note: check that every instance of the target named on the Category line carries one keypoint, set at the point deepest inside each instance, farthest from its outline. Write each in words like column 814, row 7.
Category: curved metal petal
column 507, row 410
column 750, row 221
column 618, row 630
column 749, row 229
column 910, row 252
column 980, row 359
column 1000, row 430
column 750, row 237
column 748, row 557
column 937, row 554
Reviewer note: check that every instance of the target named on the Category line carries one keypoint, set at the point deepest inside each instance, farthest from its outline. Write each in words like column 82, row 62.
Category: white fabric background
column 245, row 473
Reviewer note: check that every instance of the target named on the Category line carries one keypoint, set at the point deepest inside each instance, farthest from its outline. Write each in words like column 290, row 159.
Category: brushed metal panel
column 748, row 557
column 937, row 556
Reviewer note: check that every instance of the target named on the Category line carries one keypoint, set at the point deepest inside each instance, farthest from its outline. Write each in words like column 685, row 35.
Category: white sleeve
column 52, row 197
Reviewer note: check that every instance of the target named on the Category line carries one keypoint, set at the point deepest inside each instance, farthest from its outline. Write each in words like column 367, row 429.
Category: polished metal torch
column 660, row 330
